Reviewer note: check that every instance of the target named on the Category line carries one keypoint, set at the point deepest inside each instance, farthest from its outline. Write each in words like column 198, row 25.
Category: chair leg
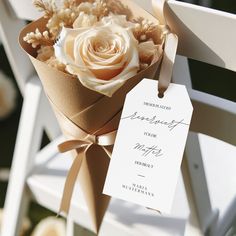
column 206, row 215
column 226, row 221
column 193, row 226
column 27, row 144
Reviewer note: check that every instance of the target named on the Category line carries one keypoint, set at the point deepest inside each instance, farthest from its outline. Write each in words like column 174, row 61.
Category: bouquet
column 89, row 55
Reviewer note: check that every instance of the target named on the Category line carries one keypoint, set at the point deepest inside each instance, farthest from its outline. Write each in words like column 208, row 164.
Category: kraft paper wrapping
column 89, row 110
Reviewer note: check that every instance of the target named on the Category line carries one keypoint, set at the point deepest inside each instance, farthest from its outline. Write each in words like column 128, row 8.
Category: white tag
column 149, row 146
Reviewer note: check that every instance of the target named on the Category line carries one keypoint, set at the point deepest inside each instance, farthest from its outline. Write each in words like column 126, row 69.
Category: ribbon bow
column 80, row 142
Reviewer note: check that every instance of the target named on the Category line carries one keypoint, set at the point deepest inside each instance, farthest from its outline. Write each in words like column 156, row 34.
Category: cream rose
column 102, row 56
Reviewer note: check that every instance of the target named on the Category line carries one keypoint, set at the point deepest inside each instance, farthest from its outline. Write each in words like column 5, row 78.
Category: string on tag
column 170, row 49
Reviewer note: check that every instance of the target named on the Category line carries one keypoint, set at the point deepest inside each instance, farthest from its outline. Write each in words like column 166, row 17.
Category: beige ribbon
column 170, row 49
column 81, row 146
column 81, row 142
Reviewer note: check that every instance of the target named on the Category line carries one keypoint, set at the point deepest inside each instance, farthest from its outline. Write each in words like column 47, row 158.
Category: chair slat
column 213, row 116
column 205, row 34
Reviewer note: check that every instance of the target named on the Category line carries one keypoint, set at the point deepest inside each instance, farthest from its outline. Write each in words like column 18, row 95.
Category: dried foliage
column 146, row 30
column 119, row 8
column 100, row 9
column 74, row 3
column 49, row 8
column 45, row 52
column 37, row 38
column 79, row 13
column 53, row 62
column 68, row 13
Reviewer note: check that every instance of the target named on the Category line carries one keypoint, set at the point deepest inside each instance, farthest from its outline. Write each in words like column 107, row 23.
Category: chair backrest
column 204, row 34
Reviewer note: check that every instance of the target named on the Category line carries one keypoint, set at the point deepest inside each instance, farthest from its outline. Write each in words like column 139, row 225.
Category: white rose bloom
column 103, row 56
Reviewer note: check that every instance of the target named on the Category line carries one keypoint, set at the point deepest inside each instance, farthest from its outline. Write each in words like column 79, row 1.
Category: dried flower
column 117, row 19
column 97, row 8
column 37, row 38
column 100, row 9
column 63, row 18
column 87, row 13
column 70, row 3
column 119, row 8
column 85, row 7
column 74, row 3
column 53, row 62
column 145, row 30
column 45, row 52
column 84, row 20
column 149, row 53
column 49, row 8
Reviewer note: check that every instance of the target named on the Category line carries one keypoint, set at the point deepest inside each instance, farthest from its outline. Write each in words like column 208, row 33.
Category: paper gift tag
column 149, row 146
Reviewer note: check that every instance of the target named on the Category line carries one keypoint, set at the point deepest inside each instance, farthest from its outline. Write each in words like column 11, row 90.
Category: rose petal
column 103, row 56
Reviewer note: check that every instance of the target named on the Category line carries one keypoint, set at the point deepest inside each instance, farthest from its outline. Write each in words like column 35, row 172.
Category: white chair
column 41, row 174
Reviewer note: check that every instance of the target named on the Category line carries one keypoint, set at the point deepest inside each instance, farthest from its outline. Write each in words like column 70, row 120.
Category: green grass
column 213, row 80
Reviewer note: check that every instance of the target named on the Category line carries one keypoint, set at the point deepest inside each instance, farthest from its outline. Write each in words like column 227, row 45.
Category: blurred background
column 204, row 78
